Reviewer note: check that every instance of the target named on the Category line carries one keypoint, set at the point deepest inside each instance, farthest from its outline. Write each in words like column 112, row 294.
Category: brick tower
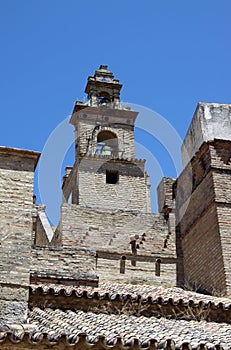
column 106, row 173
column 106, row 194
column 203, row 200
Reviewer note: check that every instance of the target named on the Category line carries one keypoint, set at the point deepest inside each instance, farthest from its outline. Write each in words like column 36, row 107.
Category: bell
column 106, row 151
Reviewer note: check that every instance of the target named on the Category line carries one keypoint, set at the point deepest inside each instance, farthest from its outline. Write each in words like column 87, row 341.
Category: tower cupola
column 103, row 89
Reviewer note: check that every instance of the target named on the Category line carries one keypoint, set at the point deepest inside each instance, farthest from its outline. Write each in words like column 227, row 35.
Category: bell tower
column 106, row 194
column 106, row 174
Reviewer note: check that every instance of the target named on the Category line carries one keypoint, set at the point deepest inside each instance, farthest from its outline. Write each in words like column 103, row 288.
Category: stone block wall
column 16, row 204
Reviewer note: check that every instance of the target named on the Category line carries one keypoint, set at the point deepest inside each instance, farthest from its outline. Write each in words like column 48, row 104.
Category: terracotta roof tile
column 110, row 327
column 150, row 293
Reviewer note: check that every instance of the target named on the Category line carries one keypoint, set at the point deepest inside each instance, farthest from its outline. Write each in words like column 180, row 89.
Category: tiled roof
column 122, row 330
column 134, row 332
column 112, row 291
column 129, row 327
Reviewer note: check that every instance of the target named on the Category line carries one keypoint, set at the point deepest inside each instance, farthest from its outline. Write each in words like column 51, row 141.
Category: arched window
column 107, row 144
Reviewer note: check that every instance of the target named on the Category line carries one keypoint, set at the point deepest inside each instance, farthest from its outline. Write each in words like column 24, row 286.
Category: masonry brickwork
column 210, row 121
column 112, row 230
column 63, row 265
column 128, row 193
column 203, row 198
column 16, row 204
column 112, row 217
column 93, row 120
column 106, row 230
column 86, row 183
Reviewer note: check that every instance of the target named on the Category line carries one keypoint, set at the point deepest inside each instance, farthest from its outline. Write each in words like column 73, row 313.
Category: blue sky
column 168, row 54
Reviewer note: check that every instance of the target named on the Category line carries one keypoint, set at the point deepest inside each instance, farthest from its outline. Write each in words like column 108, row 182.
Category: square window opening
column 112, row 177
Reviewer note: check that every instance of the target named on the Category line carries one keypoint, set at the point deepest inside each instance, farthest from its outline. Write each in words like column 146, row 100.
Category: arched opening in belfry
column 107, row 144
column 104, row 98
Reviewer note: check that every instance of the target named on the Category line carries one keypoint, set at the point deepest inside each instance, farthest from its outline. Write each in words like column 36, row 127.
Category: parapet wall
column 63, row 265
column 210, row 121
column 145, row 272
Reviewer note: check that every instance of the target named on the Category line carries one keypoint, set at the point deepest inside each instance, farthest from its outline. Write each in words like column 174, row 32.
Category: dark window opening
column 112, row 177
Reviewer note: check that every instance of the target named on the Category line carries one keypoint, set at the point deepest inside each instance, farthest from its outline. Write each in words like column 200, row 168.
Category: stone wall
column 16, row 204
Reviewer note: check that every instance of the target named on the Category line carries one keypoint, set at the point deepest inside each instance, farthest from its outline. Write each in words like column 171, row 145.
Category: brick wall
column 16, row 204
column 194, row 189
column 165, row 193
column 143, row 272
column 40, row 237
column 203, row 200
column 130, row 193
column 112, row 230
column 63, row 264
column 90, row 121
column 203, row 262
column 224, row 215
column 210, row 121
column 125, row 137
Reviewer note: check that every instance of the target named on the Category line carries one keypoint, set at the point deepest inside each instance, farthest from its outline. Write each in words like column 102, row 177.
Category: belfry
column 106, row 173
